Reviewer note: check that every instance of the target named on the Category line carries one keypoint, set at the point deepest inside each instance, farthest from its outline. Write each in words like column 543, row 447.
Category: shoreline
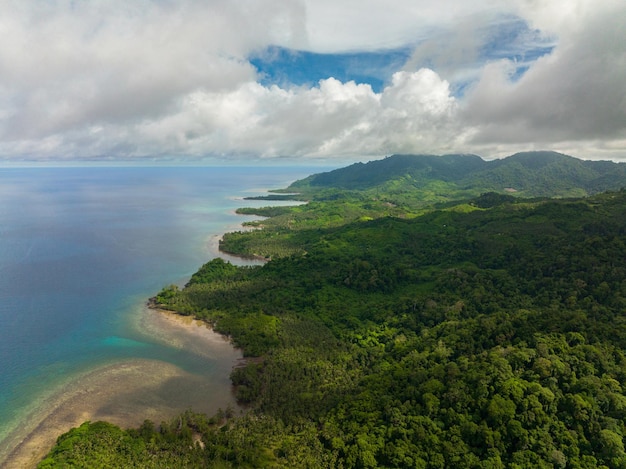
column 90, row 396
column 127, row 392
column 214, row 249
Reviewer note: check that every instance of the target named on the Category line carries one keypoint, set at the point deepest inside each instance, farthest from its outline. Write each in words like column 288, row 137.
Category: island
column 419, row 311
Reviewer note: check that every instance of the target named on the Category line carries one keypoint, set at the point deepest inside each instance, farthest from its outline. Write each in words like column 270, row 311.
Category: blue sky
column 286, row 67
column 510, row 40
column 310, row 79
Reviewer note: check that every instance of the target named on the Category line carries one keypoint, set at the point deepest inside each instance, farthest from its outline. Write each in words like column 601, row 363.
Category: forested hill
column 487, row 335
column 405, row 321
column 532, row 174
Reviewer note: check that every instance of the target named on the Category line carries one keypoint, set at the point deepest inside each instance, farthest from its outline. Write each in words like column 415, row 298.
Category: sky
column 320, row 80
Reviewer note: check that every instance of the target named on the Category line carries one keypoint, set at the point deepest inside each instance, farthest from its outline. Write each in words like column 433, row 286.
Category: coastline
column 118, row 392
column 101, row 389
column 213, row 247
column 130, row 391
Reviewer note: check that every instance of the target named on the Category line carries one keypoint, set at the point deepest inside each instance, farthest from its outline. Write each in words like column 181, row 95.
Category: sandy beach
column 128, row 392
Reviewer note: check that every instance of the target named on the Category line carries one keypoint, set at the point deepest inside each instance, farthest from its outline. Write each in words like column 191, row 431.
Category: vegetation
column 488, row 333
column 548, row 174
column 410, row 185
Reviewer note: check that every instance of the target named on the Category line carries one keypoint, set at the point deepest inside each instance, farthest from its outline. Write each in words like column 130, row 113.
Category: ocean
column 83, row 248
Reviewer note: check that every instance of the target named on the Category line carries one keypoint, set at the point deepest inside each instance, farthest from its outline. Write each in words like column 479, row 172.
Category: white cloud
column 575, row 93
column 66, row 64
column 164, row 77
column 374, row 24
column 333, row 118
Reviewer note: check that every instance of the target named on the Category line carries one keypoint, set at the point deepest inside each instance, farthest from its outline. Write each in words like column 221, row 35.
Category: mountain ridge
column 539, row 173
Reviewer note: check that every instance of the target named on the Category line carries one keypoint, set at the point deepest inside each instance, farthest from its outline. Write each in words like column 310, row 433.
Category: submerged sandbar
column 128, row 392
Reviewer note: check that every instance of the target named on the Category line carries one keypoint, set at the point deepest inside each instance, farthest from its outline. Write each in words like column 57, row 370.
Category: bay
column 81, row 250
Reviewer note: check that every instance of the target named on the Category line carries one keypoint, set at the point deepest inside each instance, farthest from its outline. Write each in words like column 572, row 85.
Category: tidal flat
column 130, row 391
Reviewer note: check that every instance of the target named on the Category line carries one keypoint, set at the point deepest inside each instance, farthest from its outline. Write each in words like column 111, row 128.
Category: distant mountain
column 540, row 173
column 360, row 176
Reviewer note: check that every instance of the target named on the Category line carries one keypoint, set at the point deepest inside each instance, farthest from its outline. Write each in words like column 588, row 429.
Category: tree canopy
column 485, row 333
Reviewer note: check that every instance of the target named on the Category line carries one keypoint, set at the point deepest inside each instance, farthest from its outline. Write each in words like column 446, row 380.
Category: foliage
column 264, row 211
column 483, row 334
column 499, row 330
column 101, row 444
column 542, row 173
column 410, row 185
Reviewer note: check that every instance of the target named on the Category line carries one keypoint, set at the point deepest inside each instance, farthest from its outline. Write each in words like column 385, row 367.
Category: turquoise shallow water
column 81, row 249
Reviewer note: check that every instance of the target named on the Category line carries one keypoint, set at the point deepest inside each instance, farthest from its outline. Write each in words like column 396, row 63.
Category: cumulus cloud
column 64, row 64
column 148, row 78
column 574, row 94
column 415, row 112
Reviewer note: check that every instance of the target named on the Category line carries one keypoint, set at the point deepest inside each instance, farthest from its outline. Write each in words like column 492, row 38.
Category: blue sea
column 83, row 248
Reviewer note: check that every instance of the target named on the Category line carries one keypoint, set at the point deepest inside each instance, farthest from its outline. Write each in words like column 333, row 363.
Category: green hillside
column 407, row 186
column 486, row 338
column 362, row 176
column 531, row 174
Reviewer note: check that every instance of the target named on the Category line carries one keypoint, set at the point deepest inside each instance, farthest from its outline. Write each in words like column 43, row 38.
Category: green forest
column 483, row 332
